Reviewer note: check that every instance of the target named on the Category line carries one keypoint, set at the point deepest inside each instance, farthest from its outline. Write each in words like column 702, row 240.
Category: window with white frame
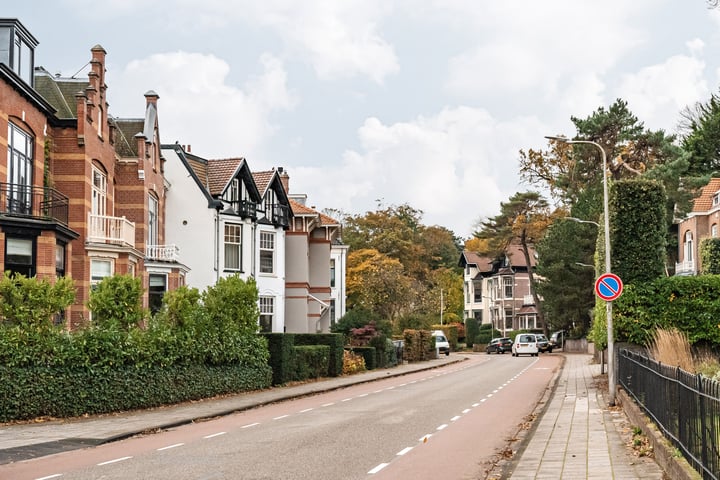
column 157, row 288
column 267, row 312
column 508, row 287
column 99, row 269
column 714, row 230
column 332, row 272
column 99, row 192
column 508, row 318
column 19, row 256
column 233, row 246
column 267, row 252
column 688, row 246
column 152, row 233
column 59, row 260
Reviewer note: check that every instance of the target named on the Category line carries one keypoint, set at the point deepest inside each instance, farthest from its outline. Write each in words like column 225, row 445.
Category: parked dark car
column 499, row 345
column 544, row 345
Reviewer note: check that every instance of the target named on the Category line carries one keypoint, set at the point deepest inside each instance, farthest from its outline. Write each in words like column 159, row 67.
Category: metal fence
column 685, row 406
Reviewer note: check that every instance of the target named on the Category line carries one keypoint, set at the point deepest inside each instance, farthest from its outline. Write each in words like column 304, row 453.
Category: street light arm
column 580, row 220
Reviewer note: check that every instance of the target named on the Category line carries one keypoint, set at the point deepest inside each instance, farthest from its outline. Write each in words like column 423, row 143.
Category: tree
column 524, row 217
column 378, row 284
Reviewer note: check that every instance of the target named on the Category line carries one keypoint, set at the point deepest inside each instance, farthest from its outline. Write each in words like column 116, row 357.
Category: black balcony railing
column 280, row 214
column 247, row 209
column 33, row 202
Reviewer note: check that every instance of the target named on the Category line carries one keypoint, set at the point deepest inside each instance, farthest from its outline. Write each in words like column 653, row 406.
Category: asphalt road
column 444, row 423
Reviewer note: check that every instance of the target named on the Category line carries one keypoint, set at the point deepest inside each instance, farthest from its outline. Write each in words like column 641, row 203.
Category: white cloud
column 456, row 166
column 659, row 92
column 198, row 107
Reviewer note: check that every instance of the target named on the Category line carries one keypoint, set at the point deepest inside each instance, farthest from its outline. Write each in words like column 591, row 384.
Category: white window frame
column 94, row 262
column 99, row 192
column 232, row 240
column 508, row 284
column 267, row 310
column 267, row 251
column 152, row 232
column 688, row 246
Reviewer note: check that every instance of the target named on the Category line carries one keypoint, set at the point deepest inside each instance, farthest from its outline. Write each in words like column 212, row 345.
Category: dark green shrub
column 368, row 353
column 310, row 361
column 31, row 302
column 471, row 331
column 486, row 334
column 117, row 302
column 710, row 256
column 180, row 306
column 233, row 301
column 333, row 340
column 280, row 346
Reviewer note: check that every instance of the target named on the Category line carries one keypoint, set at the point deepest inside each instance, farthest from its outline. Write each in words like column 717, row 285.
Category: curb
column 676, row 467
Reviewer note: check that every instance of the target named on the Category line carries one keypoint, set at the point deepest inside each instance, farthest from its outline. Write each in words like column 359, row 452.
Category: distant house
column 701, row 223
column 85, row 192
column 497, row 291
column 314, row 249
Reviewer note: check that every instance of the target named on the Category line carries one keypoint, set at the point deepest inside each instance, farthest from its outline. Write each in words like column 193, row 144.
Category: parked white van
column 441, row 342
column 525, row 343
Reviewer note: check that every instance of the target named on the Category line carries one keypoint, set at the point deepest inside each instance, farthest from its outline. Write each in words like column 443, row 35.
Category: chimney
column 284, row 179
column 151, row 98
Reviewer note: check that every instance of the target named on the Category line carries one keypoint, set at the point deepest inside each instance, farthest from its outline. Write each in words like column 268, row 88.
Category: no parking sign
column 608, row 287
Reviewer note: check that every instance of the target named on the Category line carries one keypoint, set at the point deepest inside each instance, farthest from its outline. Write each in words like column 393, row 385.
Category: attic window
column 716, row 199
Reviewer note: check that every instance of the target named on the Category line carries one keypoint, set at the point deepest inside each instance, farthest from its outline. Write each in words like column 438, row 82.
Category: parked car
column 557, row 339
column 525, row 344
column 499, row 345
column 441, row 342
column 543, row 343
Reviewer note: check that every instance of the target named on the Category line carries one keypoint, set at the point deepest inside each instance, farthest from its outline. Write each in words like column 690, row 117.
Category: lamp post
column 608, row 305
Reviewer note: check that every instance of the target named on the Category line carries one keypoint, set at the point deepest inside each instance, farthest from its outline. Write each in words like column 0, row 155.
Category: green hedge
column 31, row 392
column 333, row 340
column 369, row 354
column 310, row 361
column 280, row 346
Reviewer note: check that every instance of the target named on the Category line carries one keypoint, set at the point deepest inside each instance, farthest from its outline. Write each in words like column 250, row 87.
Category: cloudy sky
column 385, row 102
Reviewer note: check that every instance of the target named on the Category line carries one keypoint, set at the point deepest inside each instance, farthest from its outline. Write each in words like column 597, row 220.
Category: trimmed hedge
column 281, row 347
column 310, row 361
column 333, row 340
column 369, row 354
column 32, row 392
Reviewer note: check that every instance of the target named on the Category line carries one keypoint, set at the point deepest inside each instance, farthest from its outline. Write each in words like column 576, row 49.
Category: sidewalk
column 577, row 436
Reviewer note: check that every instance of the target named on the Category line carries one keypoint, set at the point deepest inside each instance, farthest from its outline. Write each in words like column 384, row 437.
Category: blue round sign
column 608, row 287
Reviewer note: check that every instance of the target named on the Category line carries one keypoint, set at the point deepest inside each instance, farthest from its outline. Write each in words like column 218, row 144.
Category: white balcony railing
column 686, row 267
column 164, row 253
column 117, row 230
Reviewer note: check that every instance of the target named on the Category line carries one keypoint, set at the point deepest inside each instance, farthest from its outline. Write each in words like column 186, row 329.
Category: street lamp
column 608, row 305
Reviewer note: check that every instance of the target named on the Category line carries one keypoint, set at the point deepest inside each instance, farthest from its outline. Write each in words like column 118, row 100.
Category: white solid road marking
column 306, row 410
column 113, row 461
column 215, row 435
column 346, row 399
column 378, row 468
column 403, row 451
column 281, row 417
column 425, row 438
column 328, row 404
column 50, row 476
column 170, row 446
column 250, row 425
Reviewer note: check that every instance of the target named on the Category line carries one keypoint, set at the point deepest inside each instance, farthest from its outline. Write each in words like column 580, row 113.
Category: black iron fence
column 35, row 202
column 685, row 406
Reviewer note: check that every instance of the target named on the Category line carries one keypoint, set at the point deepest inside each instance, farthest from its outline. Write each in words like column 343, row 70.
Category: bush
column 471, row 331
column 233, row 302
column 310, row 361
column 33, row 303
column 369, row 354
column 117, row 302
column 352, row 363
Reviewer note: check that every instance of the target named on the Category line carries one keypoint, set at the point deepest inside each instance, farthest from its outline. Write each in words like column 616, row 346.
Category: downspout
column 217, row 244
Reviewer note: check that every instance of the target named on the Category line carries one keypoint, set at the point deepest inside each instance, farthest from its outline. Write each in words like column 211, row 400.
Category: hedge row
column 285, row 355
column 32, row 392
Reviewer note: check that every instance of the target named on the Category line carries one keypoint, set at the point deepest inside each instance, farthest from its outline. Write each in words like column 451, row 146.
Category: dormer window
column 716, row 199
column 17, row 49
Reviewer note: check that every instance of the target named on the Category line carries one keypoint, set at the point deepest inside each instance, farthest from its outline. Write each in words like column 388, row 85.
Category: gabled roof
column 270, row 180
column 704, row 201
column 125, row 142
column 482, row 263
column 517, row 258
column 60, row 92
column 299, row 209
column 221, row 171
column 197, row 168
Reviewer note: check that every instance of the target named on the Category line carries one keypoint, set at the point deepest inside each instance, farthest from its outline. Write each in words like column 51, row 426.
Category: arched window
column 688, row 246
column 714, row 230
